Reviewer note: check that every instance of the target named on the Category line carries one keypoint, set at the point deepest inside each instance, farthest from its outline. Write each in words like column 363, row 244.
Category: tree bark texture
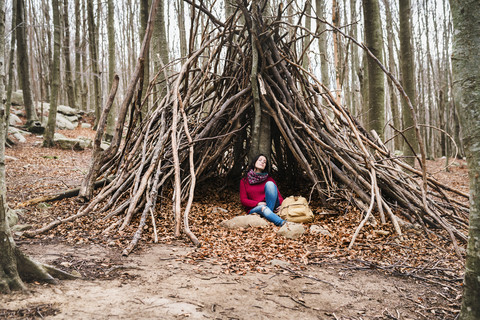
column 466, row 81
column 322, row 43
column 23, row 62
column 52, row 114
column 407, row 66
column 93, row 45
column 111, row 67
column 376, row 77
column 66, row 51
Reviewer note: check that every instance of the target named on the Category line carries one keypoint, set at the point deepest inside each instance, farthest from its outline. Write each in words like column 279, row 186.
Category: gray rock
column 58, row 135
column 85, row 142
column 17, row 98
column 19, row 137
column 13, row 130
column 14, row 120
column 72, row 119
column 104, row 145
column 64, row 123
column 86, row 125
column 12, row 217
column 69, row 144
column 314, row 229
column 244, row 222
column 20, row 113
column 291, row 230
column 66, row 110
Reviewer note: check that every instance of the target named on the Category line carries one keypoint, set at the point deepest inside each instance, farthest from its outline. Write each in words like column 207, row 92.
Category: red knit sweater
column 251, row 194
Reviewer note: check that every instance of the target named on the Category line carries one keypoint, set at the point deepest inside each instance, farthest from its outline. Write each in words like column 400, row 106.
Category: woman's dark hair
column 254, row 160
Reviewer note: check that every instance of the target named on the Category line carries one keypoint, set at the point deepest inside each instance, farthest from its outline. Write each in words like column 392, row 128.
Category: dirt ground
column 315, row 278
column 156, row 284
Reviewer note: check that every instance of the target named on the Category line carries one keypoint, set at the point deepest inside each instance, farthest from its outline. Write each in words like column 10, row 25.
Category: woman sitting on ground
column 259, row 193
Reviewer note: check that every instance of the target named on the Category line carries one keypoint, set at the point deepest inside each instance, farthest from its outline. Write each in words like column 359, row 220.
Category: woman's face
column 260, row 164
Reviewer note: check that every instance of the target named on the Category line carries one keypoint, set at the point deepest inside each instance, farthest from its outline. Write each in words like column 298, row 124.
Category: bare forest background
column 100, row 38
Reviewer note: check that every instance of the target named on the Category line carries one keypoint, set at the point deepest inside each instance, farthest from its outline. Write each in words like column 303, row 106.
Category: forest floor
column 236, row 274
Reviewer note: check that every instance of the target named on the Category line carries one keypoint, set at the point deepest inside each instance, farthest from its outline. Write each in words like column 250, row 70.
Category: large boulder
column 14, row 120
column 247, row 221
column 79, row 143
column 17, row 98
column 64, row 123
column 66, row 110
column 18, row 134
column 291, row 230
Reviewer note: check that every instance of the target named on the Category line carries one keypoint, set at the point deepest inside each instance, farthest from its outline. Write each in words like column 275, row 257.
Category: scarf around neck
column 255, row 178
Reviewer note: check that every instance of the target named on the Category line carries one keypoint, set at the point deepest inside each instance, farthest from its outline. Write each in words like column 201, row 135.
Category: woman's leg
column 268, row 214
column 272, row 217
column 271, row 195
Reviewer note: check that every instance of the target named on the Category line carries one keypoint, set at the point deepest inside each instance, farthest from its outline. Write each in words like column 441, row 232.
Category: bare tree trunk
column 376, row 89
column 8, row 102
column 9, row 278
column 391, row 65
column 408, row 80
column 77, row 79
column 23, row 63
column 160, row 48
column 93, row 45
column 52, row 115
column 111, row 67
column 181, row 27
column 466, row 45
column 144, row 4
column 337, row 55
column 322, row 44
column 306, row 39
column 68, row 66
column 354, row 59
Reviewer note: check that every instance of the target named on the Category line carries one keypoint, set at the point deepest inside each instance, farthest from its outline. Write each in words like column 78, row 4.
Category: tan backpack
column 296, row 209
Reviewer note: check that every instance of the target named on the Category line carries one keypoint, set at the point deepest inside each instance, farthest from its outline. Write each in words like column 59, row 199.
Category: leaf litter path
column 243, row 274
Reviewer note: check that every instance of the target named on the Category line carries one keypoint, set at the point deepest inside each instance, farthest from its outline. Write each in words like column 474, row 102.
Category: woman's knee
column 270, row 185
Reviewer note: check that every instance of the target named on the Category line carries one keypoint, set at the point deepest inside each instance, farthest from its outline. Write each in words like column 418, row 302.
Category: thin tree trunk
column 8, row 102
column 23, row 63
column 322, row 44
column 111, row 67
column 77, row 79
column 392, row 92
column 144, row 4
column 181, row 27
column 306, row 39
column 52, row 115
column 337, row 55
column 93, row 45
column 160, row 48
column 376, row 88
column 68, row 67
column 408, row 80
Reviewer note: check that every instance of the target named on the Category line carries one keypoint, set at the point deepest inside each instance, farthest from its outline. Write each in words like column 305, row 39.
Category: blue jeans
column 271, row 198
